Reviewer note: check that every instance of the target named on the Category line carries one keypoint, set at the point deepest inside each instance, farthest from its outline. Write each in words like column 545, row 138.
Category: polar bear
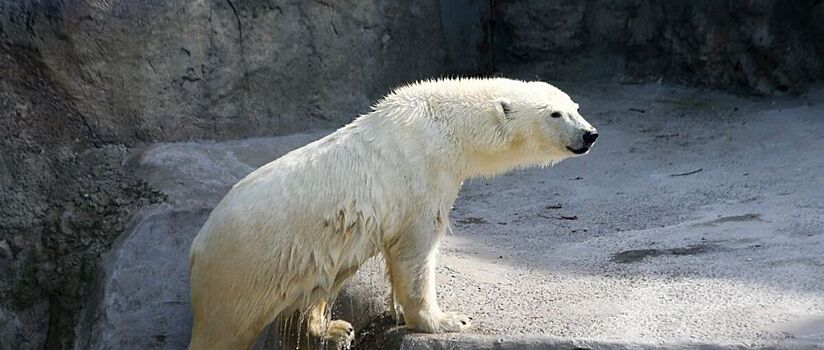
column 285, row 238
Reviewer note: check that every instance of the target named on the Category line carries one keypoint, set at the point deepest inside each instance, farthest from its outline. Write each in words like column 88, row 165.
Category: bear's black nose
column 590, row 137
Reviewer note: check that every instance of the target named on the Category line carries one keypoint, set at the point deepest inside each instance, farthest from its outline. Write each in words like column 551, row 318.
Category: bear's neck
column 491, row 161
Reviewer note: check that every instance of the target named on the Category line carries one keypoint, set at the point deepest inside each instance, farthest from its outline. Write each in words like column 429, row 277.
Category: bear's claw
column 453, row 322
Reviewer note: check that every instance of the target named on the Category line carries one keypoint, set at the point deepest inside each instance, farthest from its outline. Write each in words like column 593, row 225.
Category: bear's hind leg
column 225, row 316
column 219, row 330
column 312, row 330
column 337, row 333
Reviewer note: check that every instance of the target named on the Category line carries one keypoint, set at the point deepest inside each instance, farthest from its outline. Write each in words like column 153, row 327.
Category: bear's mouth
column 581, row 150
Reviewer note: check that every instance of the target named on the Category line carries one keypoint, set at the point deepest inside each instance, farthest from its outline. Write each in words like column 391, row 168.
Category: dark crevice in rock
column 239, row 22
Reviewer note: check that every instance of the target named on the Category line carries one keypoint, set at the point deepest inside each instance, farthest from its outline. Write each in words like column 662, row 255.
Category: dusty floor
column 698, row 217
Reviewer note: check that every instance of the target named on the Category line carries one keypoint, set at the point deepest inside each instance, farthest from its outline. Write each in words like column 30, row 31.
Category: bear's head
column 540, row 124
column 497, row 124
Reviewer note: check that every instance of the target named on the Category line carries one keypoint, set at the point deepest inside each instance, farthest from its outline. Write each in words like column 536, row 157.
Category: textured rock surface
column 762, row 46
column 174, row 70
column 64, row 196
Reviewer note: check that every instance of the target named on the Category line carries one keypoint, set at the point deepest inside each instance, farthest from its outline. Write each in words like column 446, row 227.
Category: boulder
column 143, row 297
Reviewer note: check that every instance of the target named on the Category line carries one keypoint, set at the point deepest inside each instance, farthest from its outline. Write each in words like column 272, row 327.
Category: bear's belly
column 325, row 279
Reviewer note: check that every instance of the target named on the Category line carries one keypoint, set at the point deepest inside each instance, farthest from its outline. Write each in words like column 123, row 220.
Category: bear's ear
column 503, row 107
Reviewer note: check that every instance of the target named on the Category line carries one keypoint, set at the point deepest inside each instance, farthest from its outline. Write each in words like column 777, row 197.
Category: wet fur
column 286, row 237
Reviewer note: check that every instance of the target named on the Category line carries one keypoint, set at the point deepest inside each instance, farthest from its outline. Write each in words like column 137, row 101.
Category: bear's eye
column 556, row 114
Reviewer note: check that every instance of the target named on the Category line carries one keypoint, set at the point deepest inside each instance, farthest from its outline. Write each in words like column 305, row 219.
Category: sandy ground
column 698, row 217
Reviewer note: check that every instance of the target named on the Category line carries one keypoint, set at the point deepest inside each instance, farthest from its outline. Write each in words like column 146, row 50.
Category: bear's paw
column 340, row 333
column 453, row 322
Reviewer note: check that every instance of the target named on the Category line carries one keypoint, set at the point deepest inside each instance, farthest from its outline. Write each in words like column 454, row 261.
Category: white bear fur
column 288, row 235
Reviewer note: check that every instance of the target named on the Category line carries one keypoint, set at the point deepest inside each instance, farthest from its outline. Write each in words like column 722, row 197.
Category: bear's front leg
column 411, row 263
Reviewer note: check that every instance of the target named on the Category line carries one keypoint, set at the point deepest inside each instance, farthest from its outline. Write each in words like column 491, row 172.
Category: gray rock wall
column 64, row 195
column 178, row 70
column 759, row 46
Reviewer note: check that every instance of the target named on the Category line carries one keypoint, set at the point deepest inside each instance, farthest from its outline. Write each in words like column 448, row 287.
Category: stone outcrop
column 761, row 46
